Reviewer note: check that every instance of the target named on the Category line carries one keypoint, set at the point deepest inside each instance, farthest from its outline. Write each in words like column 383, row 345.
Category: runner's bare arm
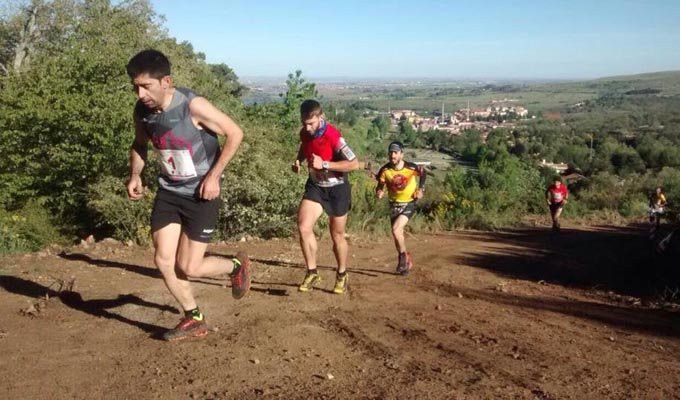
column 344, row 165
column 350, row 162
column 300, row 158
column 300, row 154
column 339, row 166
column 138, row 153
column 207, row 115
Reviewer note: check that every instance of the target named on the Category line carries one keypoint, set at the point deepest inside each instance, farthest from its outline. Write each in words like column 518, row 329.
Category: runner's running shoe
column 188, row 327
column 240, row 276
column 409, row 262
column 341, row 283
column 401, row 262
column 405, row 263
column 311, row 279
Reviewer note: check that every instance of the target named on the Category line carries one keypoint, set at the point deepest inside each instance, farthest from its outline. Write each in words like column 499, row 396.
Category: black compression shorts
column 197, row 217
column 335, row 200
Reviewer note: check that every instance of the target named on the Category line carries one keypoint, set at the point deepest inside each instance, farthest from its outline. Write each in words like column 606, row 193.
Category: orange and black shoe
column 240, row 276
column 188, row 327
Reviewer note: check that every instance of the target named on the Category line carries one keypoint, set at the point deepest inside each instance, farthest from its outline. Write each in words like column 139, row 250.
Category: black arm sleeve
column 422, row 174
column 381, row 185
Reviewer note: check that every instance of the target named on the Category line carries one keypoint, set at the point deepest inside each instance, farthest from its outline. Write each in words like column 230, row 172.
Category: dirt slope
column 517, row 315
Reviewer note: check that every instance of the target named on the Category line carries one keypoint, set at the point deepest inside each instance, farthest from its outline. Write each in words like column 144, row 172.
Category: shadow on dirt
column 154, row 273
column 138, row 269
column 95, row 307
column 613, row 259
column 650, row 321
column 287, row 264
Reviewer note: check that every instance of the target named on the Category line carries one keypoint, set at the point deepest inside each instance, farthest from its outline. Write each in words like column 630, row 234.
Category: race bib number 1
column 177, row 164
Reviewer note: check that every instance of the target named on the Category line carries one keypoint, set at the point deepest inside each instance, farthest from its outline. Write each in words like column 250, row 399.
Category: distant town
column 498, row 114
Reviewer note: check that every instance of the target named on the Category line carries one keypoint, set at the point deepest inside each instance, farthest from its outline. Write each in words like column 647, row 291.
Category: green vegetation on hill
column 65, row 130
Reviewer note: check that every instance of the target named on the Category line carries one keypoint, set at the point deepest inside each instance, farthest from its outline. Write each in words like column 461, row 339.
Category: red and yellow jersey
column 657, row 200
column 401, row 183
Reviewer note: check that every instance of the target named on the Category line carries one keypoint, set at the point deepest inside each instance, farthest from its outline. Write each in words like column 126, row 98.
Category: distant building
column 398, row 114
column 557, row 167
column 481, row 112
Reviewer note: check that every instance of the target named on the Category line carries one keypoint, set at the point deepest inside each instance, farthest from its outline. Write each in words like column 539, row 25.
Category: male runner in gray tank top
column 183, row 129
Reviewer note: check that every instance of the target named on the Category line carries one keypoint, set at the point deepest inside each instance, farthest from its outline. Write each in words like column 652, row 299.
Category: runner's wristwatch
column 325, row 165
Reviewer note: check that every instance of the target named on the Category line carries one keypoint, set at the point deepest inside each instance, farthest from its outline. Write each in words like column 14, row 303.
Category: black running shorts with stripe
column 197, row 217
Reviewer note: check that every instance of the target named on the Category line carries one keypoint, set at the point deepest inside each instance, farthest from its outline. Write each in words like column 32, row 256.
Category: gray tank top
column 185, row 152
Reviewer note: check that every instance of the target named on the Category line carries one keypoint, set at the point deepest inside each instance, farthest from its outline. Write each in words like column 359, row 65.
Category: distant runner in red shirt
column 329, row 159
column 556, row 195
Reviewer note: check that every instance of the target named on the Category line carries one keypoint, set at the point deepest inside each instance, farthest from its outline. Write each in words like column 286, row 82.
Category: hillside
column 505, row 315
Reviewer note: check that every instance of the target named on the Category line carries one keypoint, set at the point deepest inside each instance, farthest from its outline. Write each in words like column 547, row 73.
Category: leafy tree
column 298, row 90
column 406, row 133
column 65, row 117
column 382, row 124
column 226, row 80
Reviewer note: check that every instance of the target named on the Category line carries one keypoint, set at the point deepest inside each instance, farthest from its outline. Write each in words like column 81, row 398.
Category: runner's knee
column 305, row 229
column 338, row 234
column 164, row 262
column 189, row 268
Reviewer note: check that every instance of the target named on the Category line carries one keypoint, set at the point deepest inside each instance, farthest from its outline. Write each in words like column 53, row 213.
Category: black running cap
column 395, row 146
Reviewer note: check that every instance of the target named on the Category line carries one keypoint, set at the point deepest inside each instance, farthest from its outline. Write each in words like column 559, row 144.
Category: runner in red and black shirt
column 329, row 158
column 556, row 196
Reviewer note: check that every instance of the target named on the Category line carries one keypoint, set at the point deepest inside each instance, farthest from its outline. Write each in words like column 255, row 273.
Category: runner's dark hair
column 151, row 62
column 310, row 108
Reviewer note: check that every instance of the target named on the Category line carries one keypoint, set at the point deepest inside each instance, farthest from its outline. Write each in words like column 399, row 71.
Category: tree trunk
column 24, row 48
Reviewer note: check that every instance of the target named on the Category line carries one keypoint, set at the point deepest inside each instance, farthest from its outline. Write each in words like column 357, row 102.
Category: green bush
column 605, row 191
column 499, row 193
column 27, row 229
column 260, row 203
column 368, row 214
column 127, row 219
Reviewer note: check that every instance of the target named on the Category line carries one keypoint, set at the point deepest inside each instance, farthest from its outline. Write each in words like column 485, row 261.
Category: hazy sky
column 451, row 39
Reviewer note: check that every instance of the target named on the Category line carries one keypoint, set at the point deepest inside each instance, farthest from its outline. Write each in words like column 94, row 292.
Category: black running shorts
column 197, row 217
column 335, row 200
column 556, row 206
column 405, row 209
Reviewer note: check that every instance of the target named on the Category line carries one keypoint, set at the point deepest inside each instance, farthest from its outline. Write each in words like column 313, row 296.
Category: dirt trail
column 516, row 315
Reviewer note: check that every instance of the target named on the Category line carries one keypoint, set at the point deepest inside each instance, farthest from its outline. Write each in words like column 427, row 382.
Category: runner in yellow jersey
column 657, row 205
column 405, row 183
